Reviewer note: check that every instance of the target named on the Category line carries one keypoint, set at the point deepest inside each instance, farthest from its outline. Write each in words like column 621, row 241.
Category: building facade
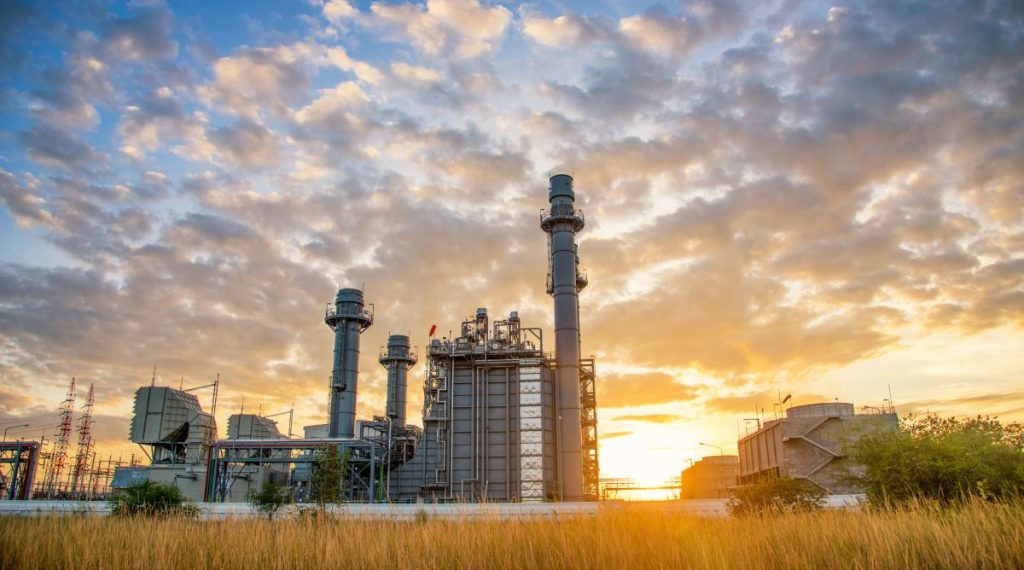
column 713, row 477
column 808, row 444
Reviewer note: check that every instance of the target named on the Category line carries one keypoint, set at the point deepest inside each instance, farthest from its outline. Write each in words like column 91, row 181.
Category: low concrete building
column 713, row 477
column 808, row 444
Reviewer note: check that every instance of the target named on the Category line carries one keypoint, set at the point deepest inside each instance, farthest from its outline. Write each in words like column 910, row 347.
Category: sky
column 822, row 200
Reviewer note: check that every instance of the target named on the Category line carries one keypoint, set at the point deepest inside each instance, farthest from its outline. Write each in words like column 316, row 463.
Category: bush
column 269, row 499
column 329, row 472
column 150, row 498
column 777, row 496
column 941, row 459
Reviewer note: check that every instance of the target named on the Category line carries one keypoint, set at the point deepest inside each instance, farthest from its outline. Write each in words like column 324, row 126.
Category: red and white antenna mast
column 63, row 435
column 84, row 443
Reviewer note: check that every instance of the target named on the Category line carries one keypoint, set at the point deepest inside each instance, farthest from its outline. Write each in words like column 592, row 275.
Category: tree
column 150, row 498
column 943, row 459
column 776, row 496
column 269, row 499
column 329, row 469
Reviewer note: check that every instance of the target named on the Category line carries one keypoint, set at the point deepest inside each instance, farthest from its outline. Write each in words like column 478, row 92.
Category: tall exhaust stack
column 561, row 223
column 398, row 359
column 348, row 320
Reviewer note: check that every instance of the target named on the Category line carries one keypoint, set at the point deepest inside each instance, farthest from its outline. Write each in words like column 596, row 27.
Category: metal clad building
column 173, row 423
column 252, row 426
column 489, row 419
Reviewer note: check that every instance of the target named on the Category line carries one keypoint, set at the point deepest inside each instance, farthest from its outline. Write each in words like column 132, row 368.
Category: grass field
column 634, row 536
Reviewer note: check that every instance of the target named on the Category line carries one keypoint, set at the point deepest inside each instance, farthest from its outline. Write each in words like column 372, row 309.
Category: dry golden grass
column 976, row 536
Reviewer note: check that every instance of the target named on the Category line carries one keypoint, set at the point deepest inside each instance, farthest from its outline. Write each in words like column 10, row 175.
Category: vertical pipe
column 30, row 471
column 508, row 444
column 562, row 222
column 18, row 452
column 347, row 320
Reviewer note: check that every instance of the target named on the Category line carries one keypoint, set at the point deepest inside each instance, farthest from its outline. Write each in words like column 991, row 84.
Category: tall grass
column 977, row 535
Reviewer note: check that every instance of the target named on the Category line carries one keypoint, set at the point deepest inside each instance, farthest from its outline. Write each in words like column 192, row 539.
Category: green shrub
column 777, row 496
column 269, row 499
column 941, row 459
column 150, row 498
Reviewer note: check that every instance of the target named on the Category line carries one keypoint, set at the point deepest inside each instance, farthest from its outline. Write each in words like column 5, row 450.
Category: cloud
column 255, row 81
column 144, row 36
column 23, row 203
column 657, row 31
column 415, row 73
column 650, row 418
column 338, row 11
column 623, row 390
column 619, row 87
column 565, row 31
column 52, row 146
column 754, row 402
column 338, row 57
column 461, row 28
column 970, row 405
column 248, row 143
column 155, row 120
column 615, row 434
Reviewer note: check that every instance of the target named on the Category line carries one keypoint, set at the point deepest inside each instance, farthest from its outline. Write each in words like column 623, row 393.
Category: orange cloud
column 650, row 418
column 622, row 390
column 761, row 400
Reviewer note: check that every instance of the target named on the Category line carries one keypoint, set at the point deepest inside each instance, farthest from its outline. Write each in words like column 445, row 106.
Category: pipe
column 348, row 320
column 562, row 222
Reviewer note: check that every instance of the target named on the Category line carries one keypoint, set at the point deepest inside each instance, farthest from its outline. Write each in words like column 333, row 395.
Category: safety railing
column 562, row 213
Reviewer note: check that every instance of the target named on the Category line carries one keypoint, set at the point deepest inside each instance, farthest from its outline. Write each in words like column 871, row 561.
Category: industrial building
column 503, row 420
column 489, row 418
column 713, row 477
column 808, row 444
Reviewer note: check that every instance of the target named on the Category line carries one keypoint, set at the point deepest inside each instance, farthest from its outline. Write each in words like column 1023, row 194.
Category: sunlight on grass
column 632, row 536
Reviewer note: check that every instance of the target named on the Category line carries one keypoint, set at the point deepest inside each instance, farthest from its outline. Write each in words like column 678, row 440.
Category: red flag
column 433, row 329
column 786, row 399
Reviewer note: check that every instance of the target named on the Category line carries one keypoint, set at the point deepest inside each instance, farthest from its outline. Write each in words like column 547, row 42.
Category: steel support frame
column 23, row 457
column 588, row 420
column 366, row 461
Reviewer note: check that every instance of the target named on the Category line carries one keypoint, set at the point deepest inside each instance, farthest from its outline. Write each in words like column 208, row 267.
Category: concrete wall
column 190, row 479
column 809, row 446
column 455, row 511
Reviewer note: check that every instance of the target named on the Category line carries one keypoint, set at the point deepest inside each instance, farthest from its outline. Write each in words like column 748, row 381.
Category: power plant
column 503, row 420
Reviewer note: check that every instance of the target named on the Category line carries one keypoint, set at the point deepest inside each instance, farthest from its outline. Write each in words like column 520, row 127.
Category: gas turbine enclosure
column 174, row 423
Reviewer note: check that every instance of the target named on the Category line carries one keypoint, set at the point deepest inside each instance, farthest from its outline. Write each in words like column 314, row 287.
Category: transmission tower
column 84, row 444
column 60, row 449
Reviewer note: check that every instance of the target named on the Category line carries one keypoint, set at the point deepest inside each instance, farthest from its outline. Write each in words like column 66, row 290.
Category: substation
column 503, row 419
